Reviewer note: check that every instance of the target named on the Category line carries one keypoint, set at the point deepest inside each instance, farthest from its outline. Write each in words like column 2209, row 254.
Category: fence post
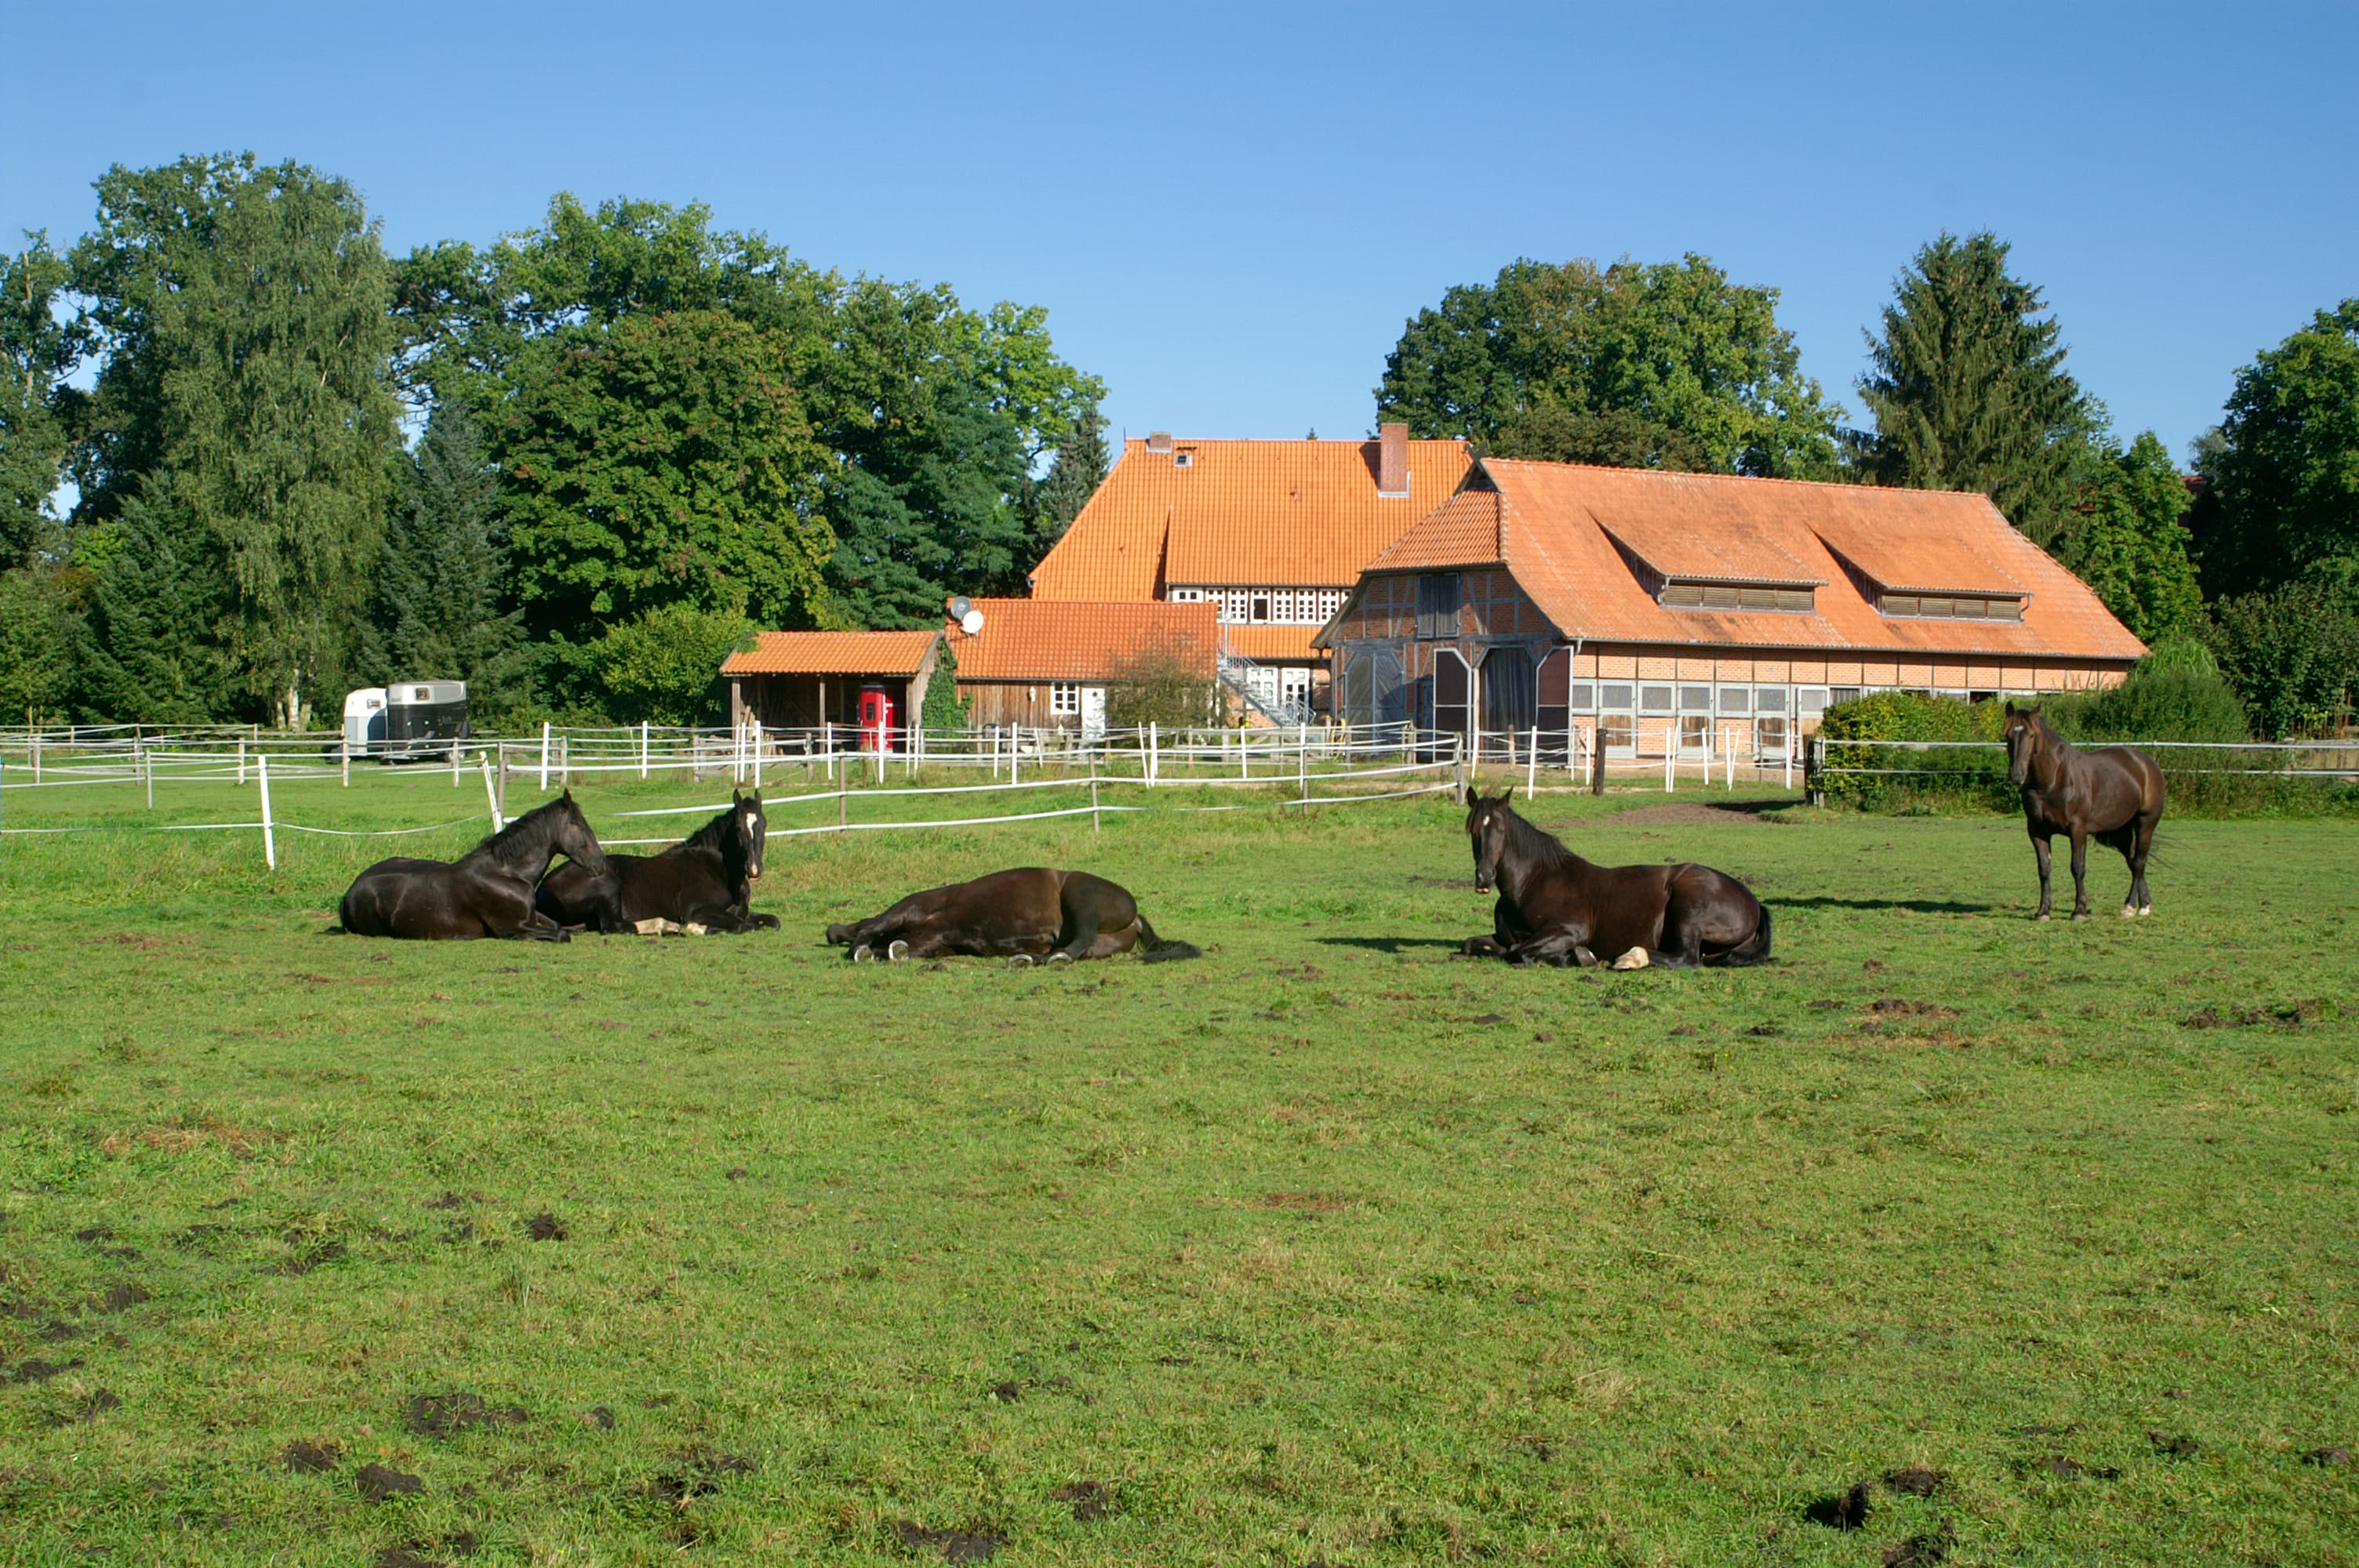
column 755, row 728
column 1015, row 754
column 491, row 793
column 240, row 762
column 34, row 745
column 454, row 764
column 642, row 747
column 500, row 801
column 269, row 843
column 827, row 743
column 843, row 788
column 565, row 761
column 1728, row 756
column 1095, row 826
column 1814, row 770
column 1154, row 752
column 147, row 770
column 1671, row 755
column 1458, row 761
column 1532, row 764
column 1302, row 767
column 1597, row 759
column 544, row 756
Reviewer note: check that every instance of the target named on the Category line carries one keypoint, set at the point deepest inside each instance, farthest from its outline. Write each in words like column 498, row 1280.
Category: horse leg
column 1562, row 948
column 2080, row 874
column 2040, row 848
column 2140, row 895
column 1482, row 948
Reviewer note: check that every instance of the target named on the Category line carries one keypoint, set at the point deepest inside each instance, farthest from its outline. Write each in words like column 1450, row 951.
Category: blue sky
column 1229, row 213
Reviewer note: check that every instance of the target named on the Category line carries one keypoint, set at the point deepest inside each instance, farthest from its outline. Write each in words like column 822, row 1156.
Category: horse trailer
column 409, row 722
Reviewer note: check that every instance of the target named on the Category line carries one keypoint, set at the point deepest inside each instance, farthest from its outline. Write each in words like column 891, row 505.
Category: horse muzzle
column 1481, row 885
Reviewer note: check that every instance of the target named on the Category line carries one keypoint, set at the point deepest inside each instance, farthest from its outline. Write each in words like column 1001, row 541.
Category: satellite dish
column 960, row 607
column 972, row 621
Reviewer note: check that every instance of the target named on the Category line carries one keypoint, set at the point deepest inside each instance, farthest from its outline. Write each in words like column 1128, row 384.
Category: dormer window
column 1952, row 606
column 1689, row 594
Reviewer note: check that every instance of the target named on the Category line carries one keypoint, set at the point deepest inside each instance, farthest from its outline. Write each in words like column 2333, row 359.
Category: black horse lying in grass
column 1557, row 908
column 1024, row 914
column 488, row 892
column 705, row 883
column 2113, row 795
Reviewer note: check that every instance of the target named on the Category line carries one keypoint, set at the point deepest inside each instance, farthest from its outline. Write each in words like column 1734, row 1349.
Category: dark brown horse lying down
column 487, row 891
column 2113, row 795
column 1024, row 914
column 1557, row 908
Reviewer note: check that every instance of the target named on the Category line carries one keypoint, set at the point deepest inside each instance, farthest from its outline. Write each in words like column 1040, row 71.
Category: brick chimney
column 1158, row 440
column 1392, row 459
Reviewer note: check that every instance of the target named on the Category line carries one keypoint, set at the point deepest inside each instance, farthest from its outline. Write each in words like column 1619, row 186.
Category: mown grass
column 1329, row 1248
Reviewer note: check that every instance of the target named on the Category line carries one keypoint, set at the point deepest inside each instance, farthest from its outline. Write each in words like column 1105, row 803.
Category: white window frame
column 1065, row 697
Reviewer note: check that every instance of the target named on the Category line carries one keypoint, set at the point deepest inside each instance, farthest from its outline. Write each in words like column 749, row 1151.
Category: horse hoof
column 693, row 929
column 2079, row 914
column 897, row 951
column 1635, row 958
column 2129, row 912
column 2041, row 917
column 1019, row 960
column 863, row 954
column 2146, row 909
column 1584, row 957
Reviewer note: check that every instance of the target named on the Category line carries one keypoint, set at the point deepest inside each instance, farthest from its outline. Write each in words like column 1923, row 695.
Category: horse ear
column 1508, row 797
column 2010, row 707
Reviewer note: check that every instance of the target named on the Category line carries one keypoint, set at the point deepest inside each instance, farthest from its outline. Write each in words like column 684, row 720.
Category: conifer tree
column 1073, row 476
column 158, row 651
column 1968, row 389
column 436, row 611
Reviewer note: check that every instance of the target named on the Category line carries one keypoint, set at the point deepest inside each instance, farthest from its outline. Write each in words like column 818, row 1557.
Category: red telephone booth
column 876, row 718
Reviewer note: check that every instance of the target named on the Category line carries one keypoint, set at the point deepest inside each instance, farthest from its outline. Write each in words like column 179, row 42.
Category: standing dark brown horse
column 705, row 883
column 1026, row 914
column 1557, row 908
column 2113, row 795
column 486, row 892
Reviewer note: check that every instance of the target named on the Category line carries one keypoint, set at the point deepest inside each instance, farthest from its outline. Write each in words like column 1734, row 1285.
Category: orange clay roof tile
column 1552, row 532
column 1032, row 639
column 896, row 653
column 1240, row 513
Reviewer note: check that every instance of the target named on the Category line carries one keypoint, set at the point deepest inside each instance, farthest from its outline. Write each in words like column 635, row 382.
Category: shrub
column 1965, row 775
column 1160, row 686
column 665, row 666
column 2293, row 654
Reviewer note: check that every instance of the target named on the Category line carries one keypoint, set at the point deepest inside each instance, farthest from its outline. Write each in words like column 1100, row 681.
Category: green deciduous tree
column 160, row 601
column 1666, row 366
column 244, row 314
column 925, row 418
column 38, row 350
column 41, row 634
column 2284, row 472
column 2293, row 654
column 664, row 667
column 1967, row 390
column 661, row 460
column 2126, row 541
column 437, row 611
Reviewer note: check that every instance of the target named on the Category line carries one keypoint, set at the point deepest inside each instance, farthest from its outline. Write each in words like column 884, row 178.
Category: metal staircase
column 1260, row 690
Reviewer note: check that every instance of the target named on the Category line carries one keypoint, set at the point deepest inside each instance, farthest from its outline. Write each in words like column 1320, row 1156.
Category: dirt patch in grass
column 1923, row 1550
column 305, row 1458
column 1843, row 1510
column 1090, row 1500
column 2174, row 1445
column 700, row 1474
column 38, row 1371
column 545, row 1227
column 89, row 1408
column 1689, row 814
column 1304, row 1203
column 600, row 1417
column 446, row 1415
column 1007, row 1393
column 950, row 1545
column 123, row 1297
column 380, row 1483
column 2283, row 1015
column 1915, row 1481
column 2069, row 1469
column 1901, row 1007
column 2333, row 1457
column 240, row 1141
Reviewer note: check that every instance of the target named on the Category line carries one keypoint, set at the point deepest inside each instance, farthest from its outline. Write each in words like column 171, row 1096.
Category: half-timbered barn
column 1706, row 613
column 1050, row 665
column 1272, row 534
column 801, row 680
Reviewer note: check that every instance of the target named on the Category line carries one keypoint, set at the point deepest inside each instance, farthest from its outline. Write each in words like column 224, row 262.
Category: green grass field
column 1329, row 1247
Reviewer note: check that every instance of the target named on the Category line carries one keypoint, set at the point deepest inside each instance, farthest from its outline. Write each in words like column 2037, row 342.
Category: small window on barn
column 1615, row 696
column 1065, row 697
column 1183, row 460
column 1654, row 699
column 1677, row 595
column 1695, row 699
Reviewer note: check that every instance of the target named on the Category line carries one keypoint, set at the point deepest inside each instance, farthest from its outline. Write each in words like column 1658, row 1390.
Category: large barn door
column 1507, row 694
column 1552, row 688
column 1371, row 688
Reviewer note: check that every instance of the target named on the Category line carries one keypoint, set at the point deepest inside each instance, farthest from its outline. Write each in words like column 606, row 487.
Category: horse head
column 753, row 830
column 574, row 838
column 1486, row 825
column 2027, row 735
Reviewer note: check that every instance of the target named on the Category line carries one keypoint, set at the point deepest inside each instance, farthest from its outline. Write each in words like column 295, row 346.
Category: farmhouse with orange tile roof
column 1272, row 534
column 1714, row 615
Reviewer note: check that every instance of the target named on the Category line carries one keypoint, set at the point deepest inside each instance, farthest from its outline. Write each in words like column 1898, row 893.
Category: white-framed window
column 1187, row 595
column 1064, row 696
column 1654, row 699
column 1735, row 700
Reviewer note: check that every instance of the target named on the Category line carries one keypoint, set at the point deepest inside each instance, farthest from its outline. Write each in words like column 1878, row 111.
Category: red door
column 876, row 719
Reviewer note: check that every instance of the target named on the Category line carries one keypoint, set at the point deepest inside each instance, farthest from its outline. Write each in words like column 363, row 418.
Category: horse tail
column 1153, row 949
column 1754, row 949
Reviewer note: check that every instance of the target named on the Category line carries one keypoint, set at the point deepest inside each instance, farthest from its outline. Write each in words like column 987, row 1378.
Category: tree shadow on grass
column 1916, row 905
column 1390, row 943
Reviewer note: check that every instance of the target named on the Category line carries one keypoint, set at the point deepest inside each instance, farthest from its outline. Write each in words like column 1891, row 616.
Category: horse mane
column 506, row 837
column 1536, row 846
column 714, row 835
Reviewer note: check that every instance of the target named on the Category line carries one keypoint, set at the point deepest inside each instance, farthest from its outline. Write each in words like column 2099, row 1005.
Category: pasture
column 1331, row 1247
